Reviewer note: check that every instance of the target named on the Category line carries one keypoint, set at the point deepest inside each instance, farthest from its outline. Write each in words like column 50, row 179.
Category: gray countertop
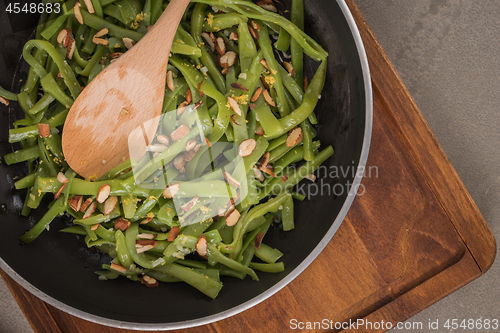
column 446, row 52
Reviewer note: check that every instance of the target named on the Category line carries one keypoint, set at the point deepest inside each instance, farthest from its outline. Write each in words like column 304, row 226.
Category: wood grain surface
column 412, row 238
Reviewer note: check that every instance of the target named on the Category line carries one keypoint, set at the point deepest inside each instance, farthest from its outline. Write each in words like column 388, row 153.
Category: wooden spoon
column 125, row 95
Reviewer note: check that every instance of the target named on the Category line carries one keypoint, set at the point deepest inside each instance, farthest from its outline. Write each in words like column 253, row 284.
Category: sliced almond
column 102, row 32
column 129, row 43
column 89, row 6
column 311, row 177
column 199, row 87
column 163, row 139
column 4, row 101
column 190, row 204
column 259, row 130
column 171, row 190
column 220, row 45
column 116, row 55
column 145, row 236
column 95, row 227
column 90, row 210
column 294, row 137
column 146, row 220
column 231, row 180
column 110, row 205
column 78, row 13
column 232, row 217
column 75, row 202
column 71, row 49
column 58, row 194
column 179, row 163
column 306, row 83
column 256, row 94
column 174, row 232
column 264, row 160
column 179, row 133
column 191, row 144
column 221, row 211
column 233, row 36
column 255, row 25
column 284, row 178
column 62, row 178
column 246, row 147
column 143, row 248
column 253, row 32
column 234, row 105
column 85, row 204
column 264, row 63
column 258, row 240
column 237, row 85
column 188, row 96
column 258, row 174
column 188, row 156
column 224, row 70
column 118, row 268
column 289, row 68
column 264, row 82
column 156, row 148
column 233, row 119
column 170, row 80
column 228, row 59
column 121, row 224
column 103, row 193
column 267, row 5
column 269, row 170
column 201, row 246
column 182, row 107
column 268, row 98
column 63, row 37
column 149, row 281
column 210, row 39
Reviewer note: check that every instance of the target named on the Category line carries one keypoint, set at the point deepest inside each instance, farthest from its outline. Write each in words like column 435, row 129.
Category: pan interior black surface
column 60, row 266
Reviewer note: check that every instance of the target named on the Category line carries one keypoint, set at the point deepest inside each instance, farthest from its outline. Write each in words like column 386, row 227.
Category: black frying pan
column 60, row 270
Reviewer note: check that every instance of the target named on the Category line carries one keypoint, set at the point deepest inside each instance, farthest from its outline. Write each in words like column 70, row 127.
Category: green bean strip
column 283, row 42
column 122, row 251
column 58, row 207
column 267, row 253
column 297, row 17
column 268, row 268
column 21, row 155
column 7, row 94
column 98, row 23
column 215, row 254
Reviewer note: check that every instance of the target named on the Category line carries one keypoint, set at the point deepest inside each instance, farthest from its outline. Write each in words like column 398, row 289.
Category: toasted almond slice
column 253, row 32
column 269, row 170
column 62, row 178
column 179, row 133
column 256, row 95
column 233, row 119
column 149, row 281
column 220, row 45
column 182, row 107
column 188, row 96
column 78, row 13
column 259, row 130
column 246, row 147
column 63, row 37
column 267, row 6
column 58, row 194
column 170, row 80
column 89, row 6
column 201, row 246
column 224, row 70
column 221, row 211
column 174, row 232
column 145, row 236
column 118, row 268
column 230, row 179
column 258, row 240
column 237, row 85
column 228, row 59
column 311, row 177
column 71, row 48
column 233, row 36
column 163, row 139
column 232, row 217
column 255, row 25
column 85, row 204
column 101, row 41
column 199, row 87
column 90, row 210
column 258, row 174
column 121, row 224
column 268, row 98
column 234, row 105
column 146, row 220
column 306, row 83
column 171, row 190
column 101, row 32
column 284, row 178
column 179, row 163
column 188, row 156
column 116, row 55
column 210, row 41
column 191, row 144
column 142, row 248
column 264, row 63
column 75, row 202
column 190, row 204
column 110, row 204
column 294, row 137
column 95, row 227
column 264, row 82
column 129, row 43
column 156, row 147
column 264, row 160
column 289, row 68
column 4, row 101
column 103, row 193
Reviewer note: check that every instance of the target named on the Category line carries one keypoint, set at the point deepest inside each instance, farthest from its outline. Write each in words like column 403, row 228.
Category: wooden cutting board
column 413, row 237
